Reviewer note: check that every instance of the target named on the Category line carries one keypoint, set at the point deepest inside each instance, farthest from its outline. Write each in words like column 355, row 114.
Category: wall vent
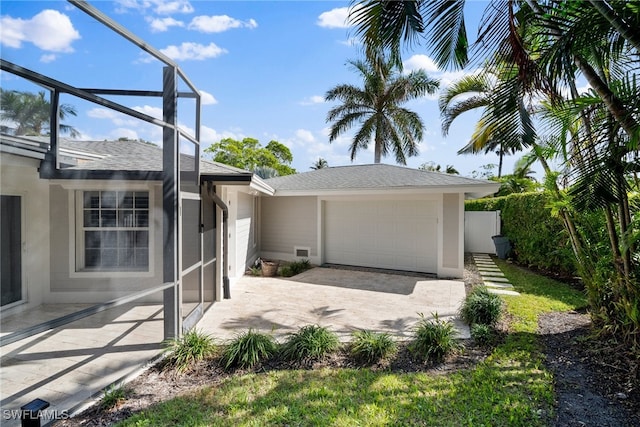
column 301, row 251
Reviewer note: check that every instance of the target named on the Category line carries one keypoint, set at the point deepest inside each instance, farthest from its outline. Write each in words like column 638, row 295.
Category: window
column 115, row 231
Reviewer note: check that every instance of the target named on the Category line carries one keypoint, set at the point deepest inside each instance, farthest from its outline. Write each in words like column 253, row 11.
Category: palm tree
column 320, row 164
column 31, row 113
column 376, row 108
column 506, row 125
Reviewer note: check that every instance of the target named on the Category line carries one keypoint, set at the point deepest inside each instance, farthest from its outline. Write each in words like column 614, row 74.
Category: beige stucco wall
column 19, row 177
column 287, row 222
column 69, row 285
column 452, row 264
column 247, row 242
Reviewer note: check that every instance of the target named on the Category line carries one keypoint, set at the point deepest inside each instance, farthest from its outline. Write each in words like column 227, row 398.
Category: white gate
column 478, row 229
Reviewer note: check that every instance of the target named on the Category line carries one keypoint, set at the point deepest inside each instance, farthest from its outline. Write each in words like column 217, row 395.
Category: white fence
column 478, row 229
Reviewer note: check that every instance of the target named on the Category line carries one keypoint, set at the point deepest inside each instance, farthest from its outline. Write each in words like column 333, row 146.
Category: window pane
column 126, row 200
column 142, row 200
column 108, row 218
column 92, row 258
column 142, row 239
column 91, row 199
column 142, row 258
column 108, row 199
column 109, row 258
column 125, row 257
column 109, row 239
column 142, row 218
column 122, row 247
column 125, row 218
column 92, row 239
column 92, row 218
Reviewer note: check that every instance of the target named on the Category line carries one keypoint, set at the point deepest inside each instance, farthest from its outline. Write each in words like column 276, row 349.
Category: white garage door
column 399, row 234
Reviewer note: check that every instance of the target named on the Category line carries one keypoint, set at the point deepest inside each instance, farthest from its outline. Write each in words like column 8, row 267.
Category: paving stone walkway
column 492, row 276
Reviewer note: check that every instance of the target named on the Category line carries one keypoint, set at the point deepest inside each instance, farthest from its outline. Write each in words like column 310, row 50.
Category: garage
column 391, row 234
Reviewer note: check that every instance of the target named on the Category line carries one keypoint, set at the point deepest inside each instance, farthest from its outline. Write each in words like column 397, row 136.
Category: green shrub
column 310, row 342
column 188, row 349
column 483, row 334
column 295, row 267
column 481, row 306
column 433, row 339
column 539, row 238
column 247, row 349
column 371, row 347
column 114, row 396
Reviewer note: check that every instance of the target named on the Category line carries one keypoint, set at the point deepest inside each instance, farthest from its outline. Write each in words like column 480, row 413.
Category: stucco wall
column 69, row 285
column 19, row 177
column 452, row 230
column 287, row 222
column 246, row 237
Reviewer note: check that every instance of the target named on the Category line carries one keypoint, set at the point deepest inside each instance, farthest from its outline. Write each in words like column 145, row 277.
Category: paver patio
column 341, row 299
column 70, row 364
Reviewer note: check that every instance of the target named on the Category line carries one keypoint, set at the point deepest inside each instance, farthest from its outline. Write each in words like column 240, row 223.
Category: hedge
column 539, row 239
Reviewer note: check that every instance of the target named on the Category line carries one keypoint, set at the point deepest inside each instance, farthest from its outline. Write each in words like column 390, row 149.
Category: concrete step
column 498, row 285
column 494, row 278
column 502, row 292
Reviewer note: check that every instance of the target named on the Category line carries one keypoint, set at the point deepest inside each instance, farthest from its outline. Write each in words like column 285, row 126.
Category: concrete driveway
column 341, row 299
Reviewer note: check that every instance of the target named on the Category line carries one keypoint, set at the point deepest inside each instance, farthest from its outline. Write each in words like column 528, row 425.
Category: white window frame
column 76, row 229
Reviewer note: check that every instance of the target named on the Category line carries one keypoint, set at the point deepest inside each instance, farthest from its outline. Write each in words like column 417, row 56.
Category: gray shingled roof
column 117, row 155
column 136, row 155
column 368, row 177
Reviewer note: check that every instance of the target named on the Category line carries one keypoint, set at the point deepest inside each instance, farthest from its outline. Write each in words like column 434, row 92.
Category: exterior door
column 11, row 249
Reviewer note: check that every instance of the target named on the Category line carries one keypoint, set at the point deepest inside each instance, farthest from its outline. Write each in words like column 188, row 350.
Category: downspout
column 226, row 290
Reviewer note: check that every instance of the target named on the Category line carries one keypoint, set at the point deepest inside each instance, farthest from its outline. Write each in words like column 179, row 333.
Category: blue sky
column 263, row 68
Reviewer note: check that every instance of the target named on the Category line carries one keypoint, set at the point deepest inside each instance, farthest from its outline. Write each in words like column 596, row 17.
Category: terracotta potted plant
column 269, row 268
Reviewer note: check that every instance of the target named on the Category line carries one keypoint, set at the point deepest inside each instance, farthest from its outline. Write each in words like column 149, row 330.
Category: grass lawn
column 510, row 388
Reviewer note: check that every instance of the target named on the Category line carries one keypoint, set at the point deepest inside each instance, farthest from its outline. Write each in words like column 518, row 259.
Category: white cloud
column 193, row 51
column 417, row 62
column 102, row 113
column 209, row 136
column 168, row 7
column 49, row 57
column 161, row 7
column 219, row 23
column 49, row 30
column 315, row 99
column 207, row 99
column 159, row 25
column 305, row 135
column 335, row 18
column 120, row 119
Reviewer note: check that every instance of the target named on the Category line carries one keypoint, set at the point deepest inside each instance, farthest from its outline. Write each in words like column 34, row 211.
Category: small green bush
column 247, row 349
column 481, row 306
column 295, row 267
column 310, row 342
column 371, row 347
column 483, row 334
column 433, row 339
column 188, row 349
column 114, row 396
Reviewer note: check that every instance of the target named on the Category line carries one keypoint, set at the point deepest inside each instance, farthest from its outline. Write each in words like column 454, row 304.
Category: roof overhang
column 248, row 179
column 470, row 191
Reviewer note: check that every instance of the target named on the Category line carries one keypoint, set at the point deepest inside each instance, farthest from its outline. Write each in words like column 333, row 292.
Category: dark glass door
column 10, row 249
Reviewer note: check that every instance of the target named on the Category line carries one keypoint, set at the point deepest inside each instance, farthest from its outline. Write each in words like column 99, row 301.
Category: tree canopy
column 27, row 113
column 248, row 154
